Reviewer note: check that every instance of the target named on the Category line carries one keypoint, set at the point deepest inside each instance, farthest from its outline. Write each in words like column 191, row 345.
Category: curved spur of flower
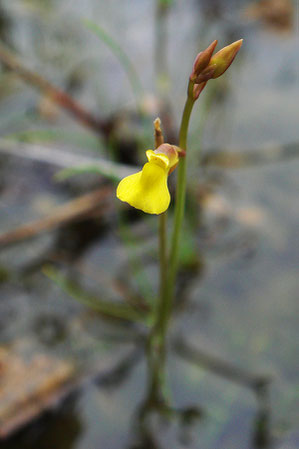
column 147, row 190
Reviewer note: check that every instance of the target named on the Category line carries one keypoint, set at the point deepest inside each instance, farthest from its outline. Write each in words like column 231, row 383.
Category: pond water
column 239, row 282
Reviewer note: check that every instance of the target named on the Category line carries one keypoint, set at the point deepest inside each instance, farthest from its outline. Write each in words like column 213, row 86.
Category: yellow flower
column 147, row 190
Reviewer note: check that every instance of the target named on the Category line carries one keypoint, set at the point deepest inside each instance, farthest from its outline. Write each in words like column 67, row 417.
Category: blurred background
column 73, row 94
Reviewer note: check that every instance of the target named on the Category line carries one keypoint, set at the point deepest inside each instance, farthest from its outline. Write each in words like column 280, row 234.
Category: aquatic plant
column 147, row 190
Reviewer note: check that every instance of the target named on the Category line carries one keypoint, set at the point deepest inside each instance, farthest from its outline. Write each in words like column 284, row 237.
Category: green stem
column 161, row 311
column 162, row 256
column 156, row 363
column 157, row 341
column 156, row 356
column 180, row 203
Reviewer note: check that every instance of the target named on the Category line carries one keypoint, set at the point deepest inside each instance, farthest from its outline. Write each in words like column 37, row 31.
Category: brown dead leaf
column 28, row 385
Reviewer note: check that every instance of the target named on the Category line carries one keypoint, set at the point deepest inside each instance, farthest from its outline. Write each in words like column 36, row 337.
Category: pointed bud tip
column 224, row 57
column 202, row 60
column 157, row 125
column 213, row 44
column 157, row 122
column 237, row 44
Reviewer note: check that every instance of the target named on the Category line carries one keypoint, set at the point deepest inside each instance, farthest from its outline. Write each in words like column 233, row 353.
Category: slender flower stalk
column 206, row 67
column 156, row 343
column 179, row 206
column 163, row 255
column 159, row 140
column 147, row 190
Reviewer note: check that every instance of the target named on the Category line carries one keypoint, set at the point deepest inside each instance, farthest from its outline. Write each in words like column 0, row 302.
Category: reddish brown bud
column 224, row 57
column 202, row 60
column 206, row 74
column 197, row 90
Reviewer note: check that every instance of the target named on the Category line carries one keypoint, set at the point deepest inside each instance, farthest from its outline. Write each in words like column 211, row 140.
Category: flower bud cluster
column 208, row 66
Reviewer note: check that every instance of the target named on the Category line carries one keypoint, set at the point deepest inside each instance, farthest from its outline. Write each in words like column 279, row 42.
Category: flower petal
column 146, row 190
column 159, row 158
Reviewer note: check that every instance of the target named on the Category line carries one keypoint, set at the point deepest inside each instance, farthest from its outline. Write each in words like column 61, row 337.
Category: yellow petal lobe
column 160, row 159
column 147, row 190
